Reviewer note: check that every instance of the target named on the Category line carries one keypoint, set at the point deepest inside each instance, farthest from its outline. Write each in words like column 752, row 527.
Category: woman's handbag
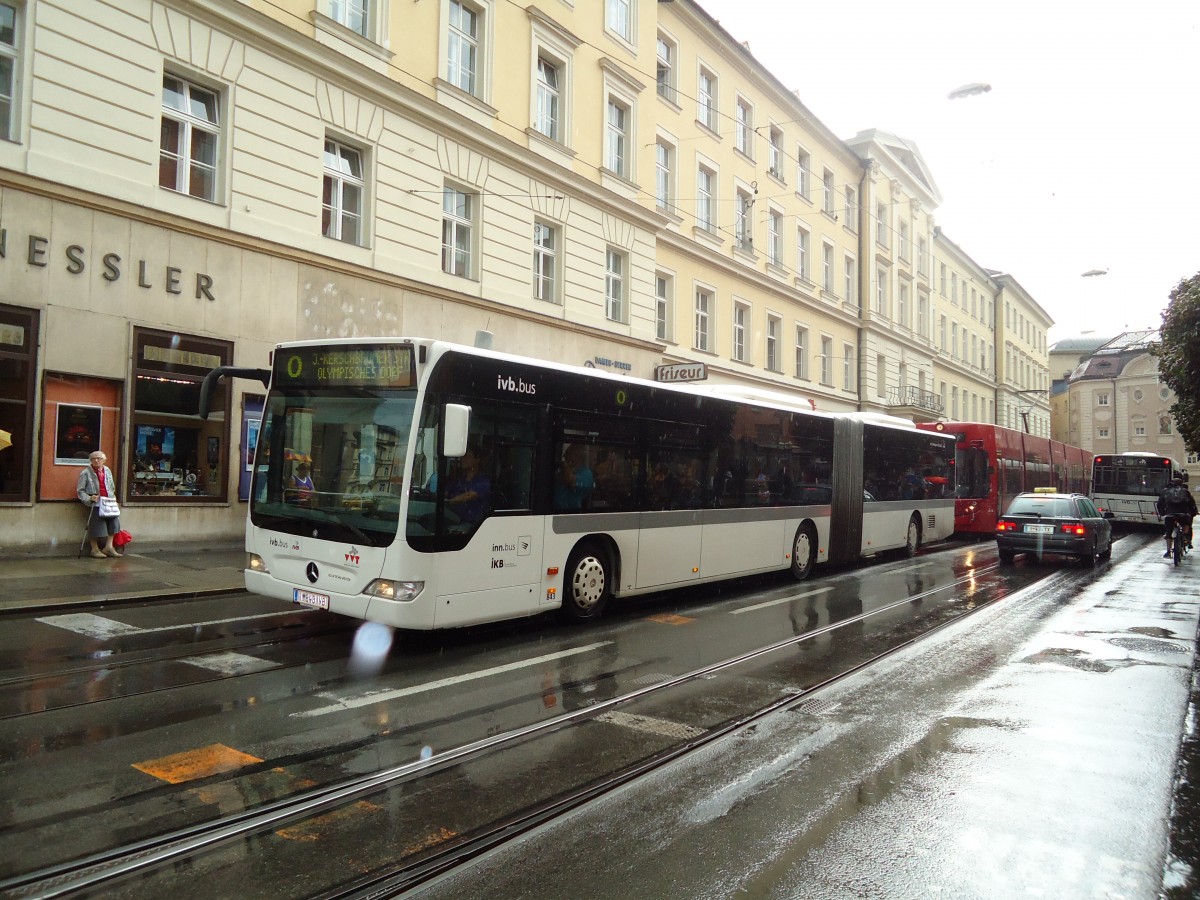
column 108, row 508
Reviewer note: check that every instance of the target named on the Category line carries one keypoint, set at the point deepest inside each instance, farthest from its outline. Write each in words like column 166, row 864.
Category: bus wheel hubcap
column 802, row 550
column 588, row 583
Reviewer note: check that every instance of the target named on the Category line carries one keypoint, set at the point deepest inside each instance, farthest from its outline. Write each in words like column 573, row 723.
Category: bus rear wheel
column 804, row 552
column 587, row 584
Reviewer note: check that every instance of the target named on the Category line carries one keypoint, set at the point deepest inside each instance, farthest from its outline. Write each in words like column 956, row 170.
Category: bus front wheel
column 587, row 584
column 804, row 552
column 912, row 541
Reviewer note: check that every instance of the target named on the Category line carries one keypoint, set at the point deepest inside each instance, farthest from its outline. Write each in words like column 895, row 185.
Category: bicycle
column 1176, row 540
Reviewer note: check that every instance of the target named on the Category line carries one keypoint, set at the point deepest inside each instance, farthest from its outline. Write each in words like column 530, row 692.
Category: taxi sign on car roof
column 1045, row 490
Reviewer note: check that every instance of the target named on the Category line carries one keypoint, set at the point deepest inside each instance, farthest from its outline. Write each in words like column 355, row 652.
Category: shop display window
column 176, row 455
column 18, row 363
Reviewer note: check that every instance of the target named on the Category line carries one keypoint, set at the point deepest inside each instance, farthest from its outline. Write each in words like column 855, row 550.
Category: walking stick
column 86, row 528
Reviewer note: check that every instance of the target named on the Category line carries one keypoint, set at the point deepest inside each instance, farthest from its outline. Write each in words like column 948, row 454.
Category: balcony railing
column 915, row 398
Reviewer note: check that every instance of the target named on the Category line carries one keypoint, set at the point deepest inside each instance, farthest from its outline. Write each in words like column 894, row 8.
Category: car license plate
column 1039, row 529
column 310, row 598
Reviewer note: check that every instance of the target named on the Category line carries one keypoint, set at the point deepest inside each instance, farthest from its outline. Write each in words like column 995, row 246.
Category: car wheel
column 1107, row 554
column 804, row 552
column 587, row 584
column 1089, row 558
column 1007, row 557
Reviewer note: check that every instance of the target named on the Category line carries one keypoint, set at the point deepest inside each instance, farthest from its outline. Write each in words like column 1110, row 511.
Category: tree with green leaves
column 1178, row 352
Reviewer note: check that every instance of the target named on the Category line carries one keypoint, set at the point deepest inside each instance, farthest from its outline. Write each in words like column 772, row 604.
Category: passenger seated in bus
column 574, row 482
column 469, row 495
column 301, row 489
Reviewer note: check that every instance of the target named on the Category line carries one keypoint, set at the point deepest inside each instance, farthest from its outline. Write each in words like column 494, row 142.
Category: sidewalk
column 147, row 571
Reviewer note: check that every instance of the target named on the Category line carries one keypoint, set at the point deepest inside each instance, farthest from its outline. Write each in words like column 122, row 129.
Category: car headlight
column 255, row 563
column 386, row 589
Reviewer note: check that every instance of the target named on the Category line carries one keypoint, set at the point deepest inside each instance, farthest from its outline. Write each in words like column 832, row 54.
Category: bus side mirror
column 454, row 434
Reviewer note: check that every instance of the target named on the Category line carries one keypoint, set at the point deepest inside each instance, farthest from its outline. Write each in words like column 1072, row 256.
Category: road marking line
column 371, row 697
column 663, row 727
column 756, row 606
column 230, row 663
column 193, row 764
column 90, row 625
column 95, row 626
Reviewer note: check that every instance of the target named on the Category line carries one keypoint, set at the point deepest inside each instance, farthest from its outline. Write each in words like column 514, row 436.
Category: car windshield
column 1046, row 507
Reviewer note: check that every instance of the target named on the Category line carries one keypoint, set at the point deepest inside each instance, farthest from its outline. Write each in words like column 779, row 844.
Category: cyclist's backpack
column 1176, row 495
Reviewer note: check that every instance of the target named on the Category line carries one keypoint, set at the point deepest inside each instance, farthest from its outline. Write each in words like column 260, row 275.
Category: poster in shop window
column 76, row 433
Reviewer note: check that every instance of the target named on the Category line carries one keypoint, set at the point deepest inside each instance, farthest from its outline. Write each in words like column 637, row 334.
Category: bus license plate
column 1039, row 529
column 310, row 598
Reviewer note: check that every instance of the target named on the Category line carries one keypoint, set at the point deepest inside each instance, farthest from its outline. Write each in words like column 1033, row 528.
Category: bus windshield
column 1129, row 479
column 330, row 464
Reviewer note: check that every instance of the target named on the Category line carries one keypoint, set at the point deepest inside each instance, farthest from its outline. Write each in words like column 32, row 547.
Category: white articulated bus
column 1128, row 484
column 445, row 485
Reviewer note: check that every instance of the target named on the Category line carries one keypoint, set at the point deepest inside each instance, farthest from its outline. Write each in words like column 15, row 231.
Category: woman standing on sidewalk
column 96, row 481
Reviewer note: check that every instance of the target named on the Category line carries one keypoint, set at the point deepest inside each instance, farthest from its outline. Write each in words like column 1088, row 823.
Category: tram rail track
column 147, row 856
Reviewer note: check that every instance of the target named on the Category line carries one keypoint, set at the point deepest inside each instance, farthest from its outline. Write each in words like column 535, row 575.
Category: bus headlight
column 403, row 591
column 255, row 563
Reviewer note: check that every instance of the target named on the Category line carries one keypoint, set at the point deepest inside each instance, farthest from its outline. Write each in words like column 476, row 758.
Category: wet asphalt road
column 275, row 687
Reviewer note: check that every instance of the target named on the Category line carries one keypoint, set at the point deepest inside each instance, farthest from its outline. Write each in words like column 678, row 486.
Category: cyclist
column 1176, row 504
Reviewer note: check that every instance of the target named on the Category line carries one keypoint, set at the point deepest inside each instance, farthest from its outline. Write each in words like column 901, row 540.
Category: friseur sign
column 681, row 372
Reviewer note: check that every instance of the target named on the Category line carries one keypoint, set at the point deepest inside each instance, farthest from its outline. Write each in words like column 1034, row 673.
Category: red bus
column 994, row 464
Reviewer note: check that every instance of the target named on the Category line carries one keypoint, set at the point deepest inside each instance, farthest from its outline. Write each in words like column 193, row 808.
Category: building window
column 827, row 360
column 703, row 311
column 616, row 155
column 741, row 315
column 942, row 279
column 775, row 237
column 744, row 128
column 1164, row 425
column 954, row 341
column 615, row 267
column 802, row 251
column 458, row 220
column 18, row 385
column 705, row 190
column 851, row 220
column 1102, row 399
column 191, row 133
column 175, row 456
column 848, row 367
column 774, row 326
column 881, row 297
column 8, row 68
column 548, row 120
column 904, row 248
column 664, row 289
column 922, row 314
column 545, row 262
column 922, row 256
column 665, row 73
column 775, row 153
column 828, row 188
column 803, row 164
column 801, row 352
column 954, row 289
column 742, row 230
column 849, row 268
column 902, row 305
column 942, row 333
column 351, row 14
column 706, row 100
column 664, row 165
column 462, row 49
column 342, row 193
column 1102, row 432
column 1139, row 430
column 881, row 225
column 881, row 375
column 619, row 19
column 827, row 267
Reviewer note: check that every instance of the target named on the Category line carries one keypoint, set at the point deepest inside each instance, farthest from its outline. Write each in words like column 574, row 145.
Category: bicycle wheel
column 1177, row 546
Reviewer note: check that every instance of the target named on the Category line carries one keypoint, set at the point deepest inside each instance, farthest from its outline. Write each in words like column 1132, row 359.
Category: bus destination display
column 346, row 366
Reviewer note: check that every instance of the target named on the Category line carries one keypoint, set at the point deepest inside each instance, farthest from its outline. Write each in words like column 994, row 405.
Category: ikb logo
column 352, row 557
